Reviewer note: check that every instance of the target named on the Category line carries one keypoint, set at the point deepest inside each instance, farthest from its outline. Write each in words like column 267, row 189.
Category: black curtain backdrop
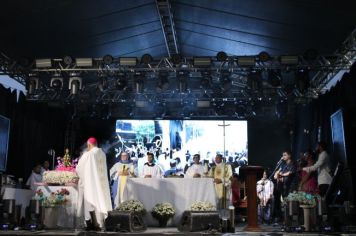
column 34, row 129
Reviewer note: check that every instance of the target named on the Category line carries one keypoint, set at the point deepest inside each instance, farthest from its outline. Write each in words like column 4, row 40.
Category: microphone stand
column 275, row 170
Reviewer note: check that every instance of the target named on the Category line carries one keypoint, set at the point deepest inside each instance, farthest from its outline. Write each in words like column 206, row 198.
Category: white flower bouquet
column 60, row 177
column 202, row 206
column 132, row 206
column 163, row 210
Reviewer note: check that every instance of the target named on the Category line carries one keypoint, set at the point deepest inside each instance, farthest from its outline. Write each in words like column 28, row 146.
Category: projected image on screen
column 172, row 139
column 4, row 141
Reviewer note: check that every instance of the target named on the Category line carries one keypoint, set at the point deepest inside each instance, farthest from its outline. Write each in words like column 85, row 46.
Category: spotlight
column 34, row 216
column 176, row 59
column 264, row 56
column 146, row 59
column 56, row 83
column 202, row 61
column 127, row 61
column 33, row 85
column 163, row 82
column 221, row 56
column 8, row 214
column 84, row 62
column 43, row 63
column 182, row 81
column 75, row 84
column 289, row 60
column 246, row 61
column 121, row 82
column 108, row 60
column 139, row 81
column 68, row 60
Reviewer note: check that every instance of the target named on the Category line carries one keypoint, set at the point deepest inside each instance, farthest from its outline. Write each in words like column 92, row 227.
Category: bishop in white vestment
column 93, row 183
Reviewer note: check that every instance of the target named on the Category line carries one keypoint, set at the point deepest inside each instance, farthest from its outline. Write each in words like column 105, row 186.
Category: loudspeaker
column 124, row 222
column 199, row 220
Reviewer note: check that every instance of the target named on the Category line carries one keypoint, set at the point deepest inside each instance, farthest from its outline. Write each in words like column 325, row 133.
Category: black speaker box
column 122, row 221
column 199, row 221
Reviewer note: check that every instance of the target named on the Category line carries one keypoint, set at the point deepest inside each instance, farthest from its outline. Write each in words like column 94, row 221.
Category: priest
column 118, row 175
column 93, row 186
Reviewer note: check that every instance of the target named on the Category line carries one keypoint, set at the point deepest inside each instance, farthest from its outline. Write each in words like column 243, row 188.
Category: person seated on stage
column 44, row 167
column 118, row 176
column 265, row 195
column 173, row 171
column 35, row 177
column 196, row 170
column 308, row 181
column 222, row 174
column 179, row 166
column 150, row 169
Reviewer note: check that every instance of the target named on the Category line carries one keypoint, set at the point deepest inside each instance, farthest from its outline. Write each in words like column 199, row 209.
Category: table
column 180, row 192
column 22, row 197
column 68, row 216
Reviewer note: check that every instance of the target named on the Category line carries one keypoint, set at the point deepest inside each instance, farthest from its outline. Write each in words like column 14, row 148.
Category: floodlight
column 75, row 84
column 246, row 61
column 43, row 63
column 84, row 62
column 127, row 61
column 202, row 61
column 289, row 60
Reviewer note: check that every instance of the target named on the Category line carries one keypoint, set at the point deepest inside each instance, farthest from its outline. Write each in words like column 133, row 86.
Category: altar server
column 196, row 170
column 35, row 177
column 93, row 185
column 150, row 169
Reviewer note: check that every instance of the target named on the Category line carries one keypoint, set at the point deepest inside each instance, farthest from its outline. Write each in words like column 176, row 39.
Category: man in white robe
column 150, row 169
column 118, row 174
column 196, row 170
column 93, row 185
column 35, row 177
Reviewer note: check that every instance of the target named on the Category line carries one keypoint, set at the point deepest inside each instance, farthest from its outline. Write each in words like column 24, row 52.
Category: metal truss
column 168, row 28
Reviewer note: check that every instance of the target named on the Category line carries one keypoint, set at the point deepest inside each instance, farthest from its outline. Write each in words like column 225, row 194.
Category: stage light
column 108, row 59
column 68, row 60
column 264, row 56
column 289, row 60
column 75, row 84
column 221, row 56
column 202, row 61
column 205, row 81
column 176, row 59
column 34, row 216
column 33, row 85
column 84, row 62
column 146, row 59
column 8, row 218
column 56, row 83
column 43, row 63
column 139, row 81
column 246, row 61
column 182, row 81
column 274, row 77
column 128, row 61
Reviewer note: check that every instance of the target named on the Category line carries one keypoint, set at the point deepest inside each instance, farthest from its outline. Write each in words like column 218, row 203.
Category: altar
column 180, row 192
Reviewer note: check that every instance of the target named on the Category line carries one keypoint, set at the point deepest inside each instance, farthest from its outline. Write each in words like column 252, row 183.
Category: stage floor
column 266, row 230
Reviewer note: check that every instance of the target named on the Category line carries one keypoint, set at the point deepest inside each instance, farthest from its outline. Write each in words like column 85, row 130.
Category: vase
column 51, row 216
column 307, row 213
column 162, row 222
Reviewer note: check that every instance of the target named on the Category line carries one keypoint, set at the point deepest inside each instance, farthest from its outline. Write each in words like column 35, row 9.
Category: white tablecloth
column 68, row 217
column 180, row 192
column 21, row 196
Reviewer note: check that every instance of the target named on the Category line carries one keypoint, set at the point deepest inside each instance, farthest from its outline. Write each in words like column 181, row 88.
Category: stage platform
column 266, row 231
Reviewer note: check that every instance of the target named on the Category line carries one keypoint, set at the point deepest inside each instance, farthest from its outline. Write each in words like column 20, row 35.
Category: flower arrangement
column 132, row 206
column 303, row 198
column 202, row 206
column 54, row 199
column 65, row 163
column 60, row 177
column 163, row 210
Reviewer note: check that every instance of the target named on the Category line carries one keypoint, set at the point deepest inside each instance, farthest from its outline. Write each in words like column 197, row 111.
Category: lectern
column 251, row 173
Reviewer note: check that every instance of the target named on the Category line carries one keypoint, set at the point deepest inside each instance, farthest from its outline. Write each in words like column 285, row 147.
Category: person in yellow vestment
column 222, row 175
column 118, row 174
column 93, row 186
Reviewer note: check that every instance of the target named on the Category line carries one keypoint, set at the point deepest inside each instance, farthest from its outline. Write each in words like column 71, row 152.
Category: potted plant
column 132, row 206
column 163, row 212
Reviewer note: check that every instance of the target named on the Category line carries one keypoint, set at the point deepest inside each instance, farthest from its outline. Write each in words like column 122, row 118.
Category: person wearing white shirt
column 150, row 169
column 35, row 177
column 265, row 194
column 196, row 170
column 45, row 167
column 322, row 166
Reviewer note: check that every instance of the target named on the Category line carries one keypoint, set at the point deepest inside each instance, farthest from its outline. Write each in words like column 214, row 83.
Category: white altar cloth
column 22, row 197
column 180, row 192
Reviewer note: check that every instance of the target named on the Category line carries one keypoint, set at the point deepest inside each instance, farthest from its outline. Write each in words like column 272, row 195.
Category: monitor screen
column 4, row 141
column 184, row 138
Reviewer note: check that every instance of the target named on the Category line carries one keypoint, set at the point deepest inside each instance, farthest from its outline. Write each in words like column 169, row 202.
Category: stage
column 265, row 230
